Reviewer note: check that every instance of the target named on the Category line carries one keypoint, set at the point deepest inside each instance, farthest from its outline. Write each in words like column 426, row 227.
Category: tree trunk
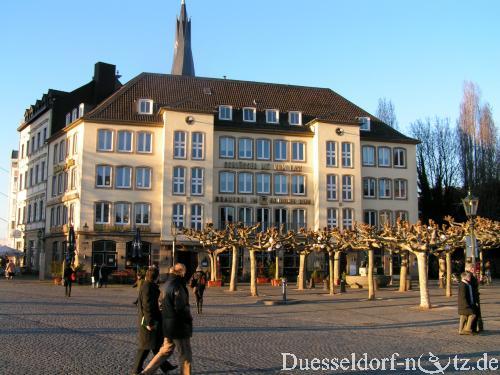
column 253, row 275
column 277, row 269
column 234, row 270
column 332, row 280
column 422, row 259
column 336, row 267
column 302, row 271
column 403, row 274
column 448, row 275
column 442, row 270
column 371, row 288
column 212, row 267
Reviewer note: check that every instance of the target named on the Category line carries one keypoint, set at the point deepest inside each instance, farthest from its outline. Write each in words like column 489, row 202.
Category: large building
column 171, row 151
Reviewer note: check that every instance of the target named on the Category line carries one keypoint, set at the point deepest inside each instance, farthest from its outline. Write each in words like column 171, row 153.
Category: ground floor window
column 144, row 260
column 104, row 252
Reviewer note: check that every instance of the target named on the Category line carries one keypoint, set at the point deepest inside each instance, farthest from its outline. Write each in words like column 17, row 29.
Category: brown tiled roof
column 190, row 94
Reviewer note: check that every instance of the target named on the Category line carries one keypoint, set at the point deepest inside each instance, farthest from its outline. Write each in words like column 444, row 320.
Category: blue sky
column 416, row 53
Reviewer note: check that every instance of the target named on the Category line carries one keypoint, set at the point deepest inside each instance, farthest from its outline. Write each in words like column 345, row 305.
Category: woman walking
column 150, row 326
column 69, row 277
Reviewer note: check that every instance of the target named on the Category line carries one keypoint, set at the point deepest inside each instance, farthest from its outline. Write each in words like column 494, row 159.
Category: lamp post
column 470, row 206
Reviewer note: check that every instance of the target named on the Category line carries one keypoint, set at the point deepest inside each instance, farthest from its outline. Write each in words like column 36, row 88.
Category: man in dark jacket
column 471, row 270
column 150, row 330
column 466, row 305
column 198, row 282
column 177, row 323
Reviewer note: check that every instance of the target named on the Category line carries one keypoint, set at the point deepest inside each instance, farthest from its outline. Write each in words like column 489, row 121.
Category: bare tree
column 387, row 113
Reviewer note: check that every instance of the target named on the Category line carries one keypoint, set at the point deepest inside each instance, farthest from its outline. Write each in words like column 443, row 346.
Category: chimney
column 104, row 81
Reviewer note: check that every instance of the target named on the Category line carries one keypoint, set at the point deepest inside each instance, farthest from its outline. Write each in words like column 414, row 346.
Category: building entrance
column 189, row 259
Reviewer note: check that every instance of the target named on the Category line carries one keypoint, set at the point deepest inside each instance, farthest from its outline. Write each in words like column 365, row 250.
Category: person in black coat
column 95, row 276
column 177, row 323
column 198, row 282
column 68, row 279
column 467, row 308
column 478, row 325
column 150, row 330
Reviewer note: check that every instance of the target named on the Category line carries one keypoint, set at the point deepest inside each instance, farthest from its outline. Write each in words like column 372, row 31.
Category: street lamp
column 470, row 206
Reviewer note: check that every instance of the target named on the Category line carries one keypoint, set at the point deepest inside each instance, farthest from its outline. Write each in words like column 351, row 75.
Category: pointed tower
column 183, row 56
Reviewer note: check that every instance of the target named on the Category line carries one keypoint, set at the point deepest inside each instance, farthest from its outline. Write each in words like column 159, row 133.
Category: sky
column 416, row 53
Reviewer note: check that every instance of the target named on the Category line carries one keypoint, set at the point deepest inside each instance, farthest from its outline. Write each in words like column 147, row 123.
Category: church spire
column 183, row 56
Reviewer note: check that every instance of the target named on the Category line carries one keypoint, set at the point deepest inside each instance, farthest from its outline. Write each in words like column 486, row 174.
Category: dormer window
column 272, row 116
column 225, row 112
column 295, row 118
column 249, row 114
column 81, row 110
column 68, row 118
column 74, row 114
column 145, row 107
column 364, row 123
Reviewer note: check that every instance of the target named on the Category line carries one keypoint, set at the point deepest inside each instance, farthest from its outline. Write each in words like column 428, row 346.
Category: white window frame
column 104, row 184
column 142, row 175
column 280, row 181
column 402, row 215
column 384, row 153
column 365, row 155
column 299, row 218
column 382, row 188
column 263, row 142
column 142, row 142
column 397, row 152
column 144, row 210
column 245, row 183
column 228, row 187
column 332, row 183
column 180, row 143
column 372, row 217
column 122, row 208
column 245, row 215
column 398, row 183
column 332, row 217
column 75, row 143
column 197, row 181
column 102, row 219
column 74, row 114
column 260, row 183
column 224, row 110
column 387, row 215
column 347, row 188
column 197, row 146
column 245, row 145
column 269, row 116
column 125, row 133
column 121, row 180
column 369, row 187
column 347, row 217
column 365, row 123
column 279, row 146
column 298, row 180
column 196, row 216
column 227, row 212
column 108, row 138
column 249, row 111
column 224, row 142
column 145, row 106
column 178, row 215
column 347, row 153
column 331, row 154
column 68, row 119
column 298, row 151
column 179, row 180
column 291, row 115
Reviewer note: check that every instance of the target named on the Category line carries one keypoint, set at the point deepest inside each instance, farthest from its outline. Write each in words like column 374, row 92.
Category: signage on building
column 263, row 166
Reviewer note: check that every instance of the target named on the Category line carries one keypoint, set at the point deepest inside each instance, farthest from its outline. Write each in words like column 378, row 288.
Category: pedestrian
column 149, row 317
column 103, row 276
column 471, row 270
column 466, row 305
column 10, row 270
column 95, row 276
column 177, row 323
column 198, row 282
column 138, row 283
column 487, row 272
column 69, row 277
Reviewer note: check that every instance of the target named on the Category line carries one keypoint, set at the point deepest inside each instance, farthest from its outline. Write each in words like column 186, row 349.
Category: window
column 73, row 179
column 52, row 217
column 226, row 147
column 75, row 143
column 74, row 114
column 124, row 141
column 280, row 150
column 38, row 140
column 245, row 216
column 249, row 114
column 347, row 218
column 29, row 213
column 197, row 181
column 37, row 172
column 179, row 145
column 31, row 177
column 145, row 107
column 178, row 215
column 245, row 148
column 400, row 189
column 225, row 112
column 280, row 217
column 68, row 119
column 264, row 218
column 347, row 182
column 331, row 187
column 71, row 213
column 263, row 183
column 402, row 215
column 384, row 188
column 295, row 118
column 103, row 176
column 35, row 207
column 196, row 217
column 331, row 154
column 62, row 150
column 245, row 183
column 369, row 187
column 263, row 149
column 42, row 177
column 226, row 216
column 28, row 148
column 272, row 116
column 385, row 217
column 123, row 177
column 81, row 110
column 44, row 134
column 102, row 213
column 58, row 215
column 384, row 157
column 40, row 210
column 179, row 180
column 298, row 151
column 197, row 145
column 20, row 181
column 399, row 160
column 144, row 142
column 368, row 156
column 332, row 217
column 105, row 140
column 142, row 213
column 298, row 219
column 122, row 213
column 54, row 185
column 347, row 154
column 55, row 157
column 33, row 144
column 143, row 178
column 60, row 183
column 298, row 185
column 364, row 123
column 371, row 217
column 280, row 184
column 226, row 182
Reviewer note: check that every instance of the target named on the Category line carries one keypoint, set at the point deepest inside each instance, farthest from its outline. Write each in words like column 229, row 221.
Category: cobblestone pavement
column 94, row 331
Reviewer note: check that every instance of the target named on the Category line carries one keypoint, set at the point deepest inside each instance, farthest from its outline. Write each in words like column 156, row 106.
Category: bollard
column 342, row 286
column 283, row 289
